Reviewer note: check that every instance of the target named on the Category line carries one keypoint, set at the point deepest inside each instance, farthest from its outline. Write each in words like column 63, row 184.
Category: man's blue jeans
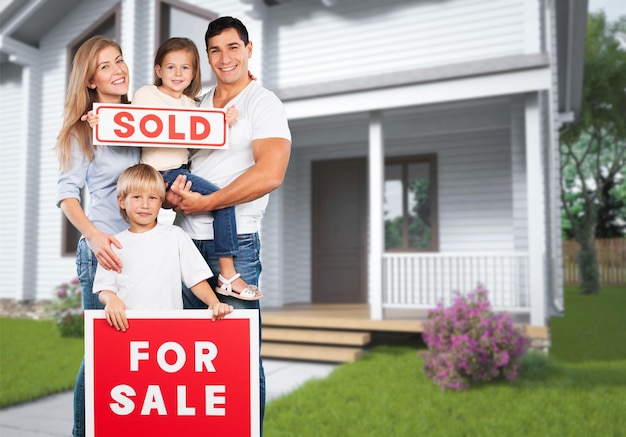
column 224, row 220
column 248, row 265
column 86, row 264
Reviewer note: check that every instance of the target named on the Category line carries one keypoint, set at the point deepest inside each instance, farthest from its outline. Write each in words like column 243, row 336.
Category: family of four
column 219, row 250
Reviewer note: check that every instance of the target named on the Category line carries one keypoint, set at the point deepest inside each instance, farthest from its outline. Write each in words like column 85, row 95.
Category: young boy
column 155, row 258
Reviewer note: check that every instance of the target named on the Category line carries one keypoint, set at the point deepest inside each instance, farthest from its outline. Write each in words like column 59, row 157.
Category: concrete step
column 317, row 336
column 334, row 354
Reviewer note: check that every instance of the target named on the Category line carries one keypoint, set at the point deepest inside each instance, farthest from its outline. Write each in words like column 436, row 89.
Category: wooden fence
column 611, row 261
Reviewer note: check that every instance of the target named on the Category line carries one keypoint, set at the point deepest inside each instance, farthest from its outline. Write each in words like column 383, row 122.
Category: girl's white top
column 162, row 158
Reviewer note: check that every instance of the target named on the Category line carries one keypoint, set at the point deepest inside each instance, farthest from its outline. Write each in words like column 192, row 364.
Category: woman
column 99, row 74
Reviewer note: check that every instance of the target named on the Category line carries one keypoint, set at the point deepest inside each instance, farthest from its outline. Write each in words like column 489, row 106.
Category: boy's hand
column 220, row 310
column 115, row 311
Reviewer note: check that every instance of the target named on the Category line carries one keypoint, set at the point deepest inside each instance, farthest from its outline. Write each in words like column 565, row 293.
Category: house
column 425, row 141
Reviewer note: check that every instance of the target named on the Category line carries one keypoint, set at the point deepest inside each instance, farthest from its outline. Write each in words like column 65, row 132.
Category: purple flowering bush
column 67, row 309
column 468, row 342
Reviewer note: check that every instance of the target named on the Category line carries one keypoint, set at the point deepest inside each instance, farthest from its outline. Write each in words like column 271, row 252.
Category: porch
column 342, row 332
column 423, row 280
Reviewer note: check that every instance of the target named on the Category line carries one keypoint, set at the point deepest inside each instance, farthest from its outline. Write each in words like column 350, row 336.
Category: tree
column 593, row 150
column 611, row 215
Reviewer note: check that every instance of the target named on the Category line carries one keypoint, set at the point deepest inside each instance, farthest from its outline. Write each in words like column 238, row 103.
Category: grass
column 35, row 360
column 577, row 391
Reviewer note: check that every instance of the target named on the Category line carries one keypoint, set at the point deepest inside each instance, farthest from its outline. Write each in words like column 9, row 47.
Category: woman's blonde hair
column 140, row 178
column 174, row 45
column 80, row 99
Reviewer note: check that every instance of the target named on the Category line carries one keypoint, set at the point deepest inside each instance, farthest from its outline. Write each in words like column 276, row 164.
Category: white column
column 536, row 185
column 376, row 224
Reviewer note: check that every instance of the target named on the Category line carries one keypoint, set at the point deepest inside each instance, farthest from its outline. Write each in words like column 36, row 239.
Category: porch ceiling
column 28, row 21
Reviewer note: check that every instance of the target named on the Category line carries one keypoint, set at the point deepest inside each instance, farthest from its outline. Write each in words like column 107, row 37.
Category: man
column 254, row 164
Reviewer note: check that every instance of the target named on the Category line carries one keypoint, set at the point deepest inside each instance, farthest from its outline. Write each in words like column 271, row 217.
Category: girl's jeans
column 224, row 223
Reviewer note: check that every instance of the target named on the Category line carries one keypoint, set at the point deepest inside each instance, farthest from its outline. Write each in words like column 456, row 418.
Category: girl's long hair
column 80, row 99
column 173, row 45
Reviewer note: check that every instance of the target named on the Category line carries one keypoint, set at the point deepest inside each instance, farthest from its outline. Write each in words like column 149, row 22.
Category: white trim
column 376, row 219
column 19, row 53
column 536, row 211
column 421, row 94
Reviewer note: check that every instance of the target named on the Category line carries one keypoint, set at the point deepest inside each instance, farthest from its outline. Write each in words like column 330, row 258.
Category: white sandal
column 251, row 292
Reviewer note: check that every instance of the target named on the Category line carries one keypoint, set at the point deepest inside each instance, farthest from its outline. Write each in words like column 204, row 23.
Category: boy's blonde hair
column 139, row 178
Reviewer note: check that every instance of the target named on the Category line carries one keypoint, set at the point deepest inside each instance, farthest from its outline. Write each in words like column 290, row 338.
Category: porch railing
column 423, row 280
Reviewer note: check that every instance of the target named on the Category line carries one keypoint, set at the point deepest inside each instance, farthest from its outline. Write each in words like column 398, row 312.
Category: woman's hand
column 101, row 243
column 91, row 118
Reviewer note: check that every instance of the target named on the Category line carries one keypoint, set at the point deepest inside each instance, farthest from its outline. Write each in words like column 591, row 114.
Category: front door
column 339, row 231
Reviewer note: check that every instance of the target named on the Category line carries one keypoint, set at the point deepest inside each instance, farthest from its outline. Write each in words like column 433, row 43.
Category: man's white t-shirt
column 154, row 265
column 261, row 115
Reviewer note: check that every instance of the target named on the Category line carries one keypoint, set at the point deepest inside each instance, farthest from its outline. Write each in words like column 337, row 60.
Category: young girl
column 177, row 83
column 99, row 74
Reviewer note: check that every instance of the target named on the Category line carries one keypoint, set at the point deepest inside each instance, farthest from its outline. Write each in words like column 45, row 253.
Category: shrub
column 468, row 342
column 68, row 309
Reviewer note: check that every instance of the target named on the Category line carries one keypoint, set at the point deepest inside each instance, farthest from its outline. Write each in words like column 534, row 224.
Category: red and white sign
column 172, row 373
column 128, row 125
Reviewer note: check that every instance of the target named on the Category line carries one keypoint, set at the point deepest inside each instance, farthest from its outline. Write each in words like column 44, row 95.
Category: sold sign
column 128, row 125
column 172, row 373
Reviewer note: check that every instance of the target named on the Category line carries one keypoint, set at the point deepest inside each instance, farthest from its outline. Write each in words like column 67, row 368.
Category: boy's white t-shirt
column 162, row 158
column 260, row 115
column 154, row 265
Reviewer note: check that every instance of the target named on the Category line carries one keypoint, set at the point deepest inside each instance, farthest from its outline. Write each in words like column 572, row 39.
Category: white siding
column 13, row 154
column 52, row 267
column 309, row 43
column 480, row 145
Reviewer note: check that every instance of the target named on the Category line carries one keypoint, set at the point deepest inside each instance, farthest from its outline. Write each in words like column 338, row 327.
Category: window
column 180, row 19
column 109, row 27
column 410, row 204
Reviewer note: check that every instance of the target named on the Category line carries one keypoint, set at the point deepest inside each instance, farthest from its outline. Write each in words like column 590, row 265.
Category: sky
column 612, row 8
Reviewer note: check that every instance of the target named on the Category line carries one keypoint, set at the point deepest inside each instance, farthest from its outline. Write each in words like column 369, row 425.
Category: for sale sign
column 173, row 373
column 128, row 125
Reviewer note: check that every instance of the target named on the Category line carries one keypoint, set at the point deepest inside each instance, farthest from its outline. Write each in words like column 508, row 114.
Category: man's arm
column 271, row 156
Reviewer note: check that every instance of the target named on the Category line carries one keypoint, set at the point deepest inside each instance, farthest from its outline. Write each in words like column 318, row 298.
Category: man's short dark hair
column 220, row 24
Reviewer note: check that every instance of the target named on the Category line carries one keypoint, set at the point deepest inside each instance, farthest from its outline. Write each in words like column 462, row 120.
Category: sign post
column 173, row 373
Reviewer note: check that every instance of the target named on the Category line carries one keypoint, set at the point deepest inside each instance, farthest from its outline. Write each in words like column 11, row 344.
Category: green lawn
column 578, row 391
column 35, row 360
